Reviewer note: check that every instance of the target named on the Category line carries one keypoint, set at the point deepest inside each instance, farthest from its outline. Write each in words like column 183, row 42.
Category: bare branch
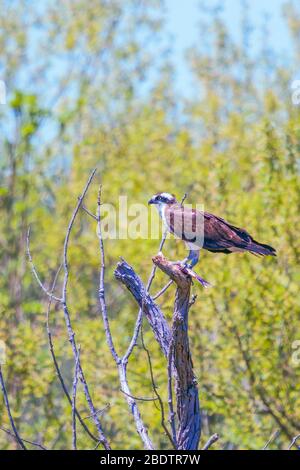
column 272, row 438
column 69, row 229
column 7, row 406
column 184, row 198
column 158, row 397
column 294, row 442
column 162, row 291
column 214, row 438
column 101, row 292
column 99, row 412
column 139, row 398
column 153, row 271
column 141, row 429
column 36, row 444
column 34, row 271
column 135, row 335
column 89, row 212
column 75, row 382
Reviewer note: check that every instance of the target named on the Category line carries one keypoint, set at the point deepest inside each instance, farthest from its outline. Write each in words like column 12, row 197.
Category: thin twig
column 99, row 412
column 36, row 444
column 75, row 382
column 34, row 271
column 272, row 438
column 134, row 337
column 294, row 442
column 89, row 212
column 97, row 445
column 139, row 398
column 154, row 268
column 162, row 291
column 184, row 198
column 7, row 406
column 158, row 397
column 67, row 237
column 101, row 292
column 214, row 438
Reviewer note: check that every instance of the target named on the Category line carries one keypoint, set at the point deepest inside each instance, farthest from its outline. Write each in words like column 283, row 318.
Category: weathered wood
column 186, row 390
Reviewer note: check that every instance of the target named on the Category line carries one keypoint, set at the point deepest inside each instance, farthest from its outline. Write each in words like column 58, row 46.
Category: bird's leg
column 192, row 259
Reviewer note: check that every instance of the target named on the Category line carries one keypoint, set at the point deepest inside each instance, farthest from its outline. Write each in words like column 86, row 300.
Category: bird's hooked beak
column 151, row 201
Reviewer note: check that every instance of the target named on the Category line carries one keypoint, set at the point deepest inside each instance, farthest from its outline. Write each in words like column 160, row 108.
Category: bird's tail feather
column 261, row 249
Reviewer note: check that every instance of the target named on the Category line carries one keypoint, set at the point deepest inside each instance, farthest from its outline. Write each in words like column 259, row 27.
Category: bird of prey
column 201, row 229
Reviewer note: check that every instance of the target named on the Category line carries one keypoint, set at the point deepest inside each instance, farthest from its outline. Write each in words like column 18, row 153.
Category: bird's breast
column 162, row 213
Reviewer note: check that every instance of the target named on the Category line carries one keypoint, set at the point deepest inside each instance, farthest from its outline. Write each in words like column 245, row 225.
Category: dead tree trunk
column 186, row 390
column 174, row 343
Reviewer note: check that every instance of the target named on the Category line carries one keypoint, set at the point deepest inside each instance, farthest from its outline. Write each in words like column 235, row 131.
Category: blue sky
column 183, row 16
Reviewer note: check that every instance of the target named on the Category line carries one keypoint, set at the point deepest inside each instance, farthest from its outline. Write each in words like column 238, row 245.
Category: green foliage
column 236, row 150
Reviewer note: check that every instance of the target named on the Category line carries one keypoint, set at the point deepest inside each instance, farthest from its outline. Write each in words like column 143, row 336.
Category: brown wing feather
column 214, row 232
column 220, row 235
column 211, row 232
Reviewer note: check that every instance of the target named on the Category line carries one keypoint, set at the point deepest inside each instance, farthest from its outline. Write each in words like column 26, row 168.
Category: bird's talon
column 182, row 264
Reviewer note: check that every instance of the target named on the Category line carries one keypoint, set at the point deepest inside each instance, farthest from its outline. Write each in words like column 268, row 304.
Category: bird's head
column 162, row 199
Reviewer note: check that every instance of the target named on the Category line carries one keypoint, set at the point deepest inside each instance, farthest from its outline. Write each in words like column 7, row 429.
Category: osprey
column 201, row 229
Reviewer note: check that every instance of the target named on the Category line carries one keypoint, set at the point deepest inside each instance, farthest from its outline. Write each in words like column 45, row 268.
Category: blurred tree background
column 91, row 84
